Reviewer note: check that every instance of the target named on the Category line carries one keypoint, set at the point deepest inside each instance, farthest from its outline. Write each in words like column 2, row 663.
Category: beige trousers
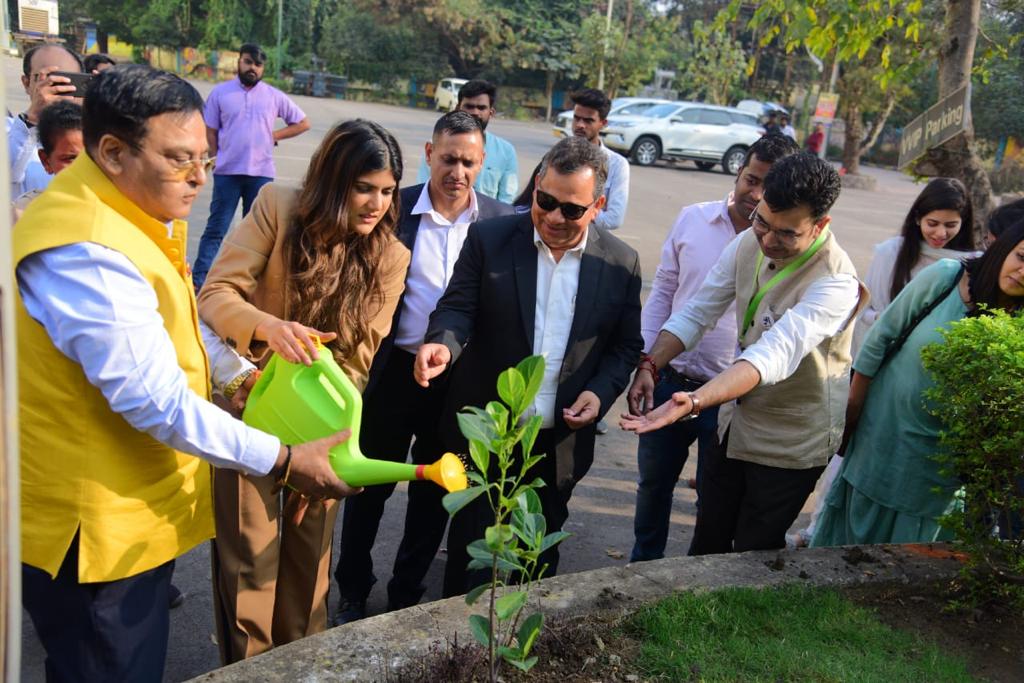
column 270, row 576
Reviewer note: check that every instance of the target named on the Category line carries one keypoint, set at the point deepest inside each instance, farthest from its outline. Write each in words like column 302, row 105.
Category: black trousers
column 395, row 413
column 747, row 506
column 470, row 523
column 110, row 631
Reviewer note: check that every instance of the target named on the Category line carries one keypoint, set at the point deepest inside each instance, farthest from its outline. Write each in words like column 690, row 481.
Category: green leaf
column 509, row 604
column 532, row 370
column 476, row 426
column 510, row 654
column 530, row 431
column 474, row 595
column 496, row 536
column 529, row 501
column 481, row 629
column 554, row 538
column 481, row 455
column 499, row 414
column 453, row 502
column 523, row 664
column 529, row 631
column 511, row 387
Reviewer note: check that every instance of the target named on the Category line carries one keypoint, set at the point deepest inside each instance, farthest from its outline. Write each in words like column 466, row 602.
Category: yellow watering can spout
column 448, row 473
column 299, row 403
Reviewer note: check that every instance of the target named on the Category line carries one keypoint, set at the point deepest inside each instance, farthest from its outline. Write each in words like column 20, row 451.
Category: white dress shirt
column 825, row 307
column 616, row 191
column 27, row 172
column 102, row 314
column 700, row 234
column 438, row 244
column 557, row 283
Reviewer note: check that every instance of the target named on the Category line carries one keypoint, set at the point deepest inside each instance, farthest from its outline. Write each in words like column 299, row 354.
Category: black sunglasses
column 570, row 211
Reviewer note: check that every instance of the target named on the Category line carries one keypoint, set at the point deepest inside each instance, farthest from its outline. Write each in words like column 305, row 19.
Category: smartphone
column 79, row 80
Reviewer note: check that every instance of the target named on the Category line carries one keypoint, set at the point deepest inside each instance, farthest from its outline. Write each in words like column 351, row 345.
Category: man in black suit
column 433, row 224
column 545, row 283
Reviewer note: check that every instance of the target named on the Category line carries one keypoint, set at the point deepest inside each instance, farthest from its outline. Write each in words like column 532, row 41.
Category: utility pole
column 604, row 52
column 280, row 22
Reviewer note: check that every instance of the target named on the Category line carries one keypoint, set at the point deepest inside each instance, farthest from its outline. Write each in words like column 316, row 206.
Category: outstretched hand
column 676, row 408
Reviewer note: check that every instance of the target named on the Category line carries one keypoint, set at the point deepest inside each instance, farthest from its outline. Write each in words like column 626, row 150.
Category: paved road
column 602, row 506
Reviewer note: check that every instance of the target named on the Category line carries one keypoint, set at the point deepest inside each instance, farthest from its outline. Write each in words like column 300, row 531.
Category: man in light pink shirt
column 700, row 234
column 240, row 116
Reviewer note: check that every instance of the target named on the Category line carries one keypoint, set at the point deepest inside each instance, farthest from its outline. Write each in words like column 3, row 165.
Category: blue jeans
column 227, row 190
column 660, row 458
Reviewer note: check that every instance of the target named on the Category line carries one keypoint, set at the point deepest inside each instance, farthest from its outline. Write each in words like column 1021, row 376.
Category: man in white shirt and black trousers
column 435, row 218
column 547, row 283
column 784, row 398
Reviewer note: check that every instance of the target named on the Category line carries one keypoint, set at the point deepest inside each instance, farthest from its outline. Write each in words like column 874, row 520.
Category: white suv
column 621, row 106
column 703, row 133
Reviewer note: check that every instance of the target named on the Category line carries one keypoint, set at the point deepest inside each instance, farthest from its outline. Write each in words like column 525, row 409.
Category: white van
column 446, row 95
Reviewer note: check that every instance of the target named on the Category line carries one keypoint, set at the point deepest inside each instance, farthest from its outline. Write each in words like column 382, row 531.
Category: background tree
column 711, row 64
column 639, row 41
column 879, row 41
column 958, row 158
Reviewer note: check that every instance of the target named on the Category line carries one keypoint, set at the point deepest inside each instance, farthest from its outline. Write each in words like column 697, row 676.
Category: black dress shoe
column 349, row 611
column 175, row 597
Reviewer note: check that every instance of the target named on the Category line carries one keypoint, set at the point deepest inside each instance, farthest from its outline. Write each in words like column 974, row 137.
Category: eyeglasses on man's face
column 787, row 236
column 570, row 211
column 182, row 167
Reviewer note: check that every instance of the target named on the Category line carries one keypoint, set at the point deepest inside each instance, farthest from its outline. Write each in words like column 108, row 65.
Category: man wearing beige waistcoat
column 784, row 398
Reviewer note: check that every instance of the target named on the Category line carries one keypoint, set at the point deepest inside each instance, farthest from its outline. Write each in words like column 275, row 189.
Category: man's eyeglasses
column 184, row 168
column 785, row 235
column 569, row 210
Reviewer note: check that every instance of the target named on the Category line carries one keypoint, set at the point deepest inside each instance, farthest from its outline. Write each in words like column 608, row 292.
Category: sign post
column 942, row 121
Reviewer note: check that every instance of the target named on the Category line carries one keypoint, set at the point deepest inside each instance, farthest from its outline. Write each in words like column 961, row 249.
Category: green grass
column 792, row 633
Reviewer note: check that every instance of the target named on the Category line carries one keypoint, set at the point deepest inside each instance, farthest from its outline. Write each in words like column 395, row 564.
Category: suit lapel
column 524, row 257
column 591, row 269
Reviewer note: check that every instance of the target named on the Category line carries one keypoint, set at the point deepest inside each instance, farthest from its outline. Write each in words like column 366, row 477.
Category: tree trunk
column 879, row 124
column 549, row 89
column 854, row 132
column 957, row 157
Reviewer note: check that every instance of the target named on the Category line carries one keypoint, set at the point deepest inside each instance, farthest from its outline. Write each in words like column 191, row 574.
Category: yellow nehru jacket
column 136, row 502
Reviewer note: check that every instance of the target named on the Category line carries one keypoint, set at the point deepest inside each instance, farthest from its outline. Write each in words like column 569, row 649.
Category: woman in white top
column 939, row 225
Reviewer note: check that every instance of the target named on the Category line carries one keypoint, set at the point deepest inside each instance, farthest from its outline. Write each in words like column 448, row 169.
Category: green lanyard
column 755, row 300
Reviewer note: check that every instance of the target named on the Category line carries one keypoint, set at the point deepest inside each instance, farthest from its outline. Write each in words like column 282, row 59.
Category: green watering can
column 299, row 403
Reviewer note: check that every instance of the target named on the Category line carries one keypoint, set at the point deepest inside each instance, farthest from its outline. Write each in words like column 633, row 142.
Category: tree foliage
column 638, row 42
column 878, row 42
column 711, row 64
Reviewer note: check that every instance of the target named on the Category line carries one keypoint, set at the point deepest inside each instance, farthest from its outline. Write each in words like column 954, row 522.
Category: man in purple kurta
column 240, row 116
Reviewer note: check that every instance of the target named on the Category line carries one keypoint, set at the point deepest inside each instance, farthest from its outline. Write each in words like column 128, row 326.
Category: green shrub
column 979, row 396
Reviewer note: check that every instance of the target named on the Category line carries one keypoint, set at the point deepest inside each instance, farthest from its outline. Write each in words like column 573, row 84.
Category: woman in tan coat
column 321, row 260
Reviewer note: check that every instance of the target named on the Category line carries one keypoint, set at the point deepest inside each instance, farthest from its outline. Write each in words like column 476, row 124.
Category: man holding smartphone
column 44, row 87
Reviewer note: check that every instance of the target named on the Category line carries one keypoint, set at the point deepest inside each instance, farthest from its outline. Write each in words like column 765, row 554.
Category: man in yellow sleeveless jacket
column 796, row 292
column 114, row 381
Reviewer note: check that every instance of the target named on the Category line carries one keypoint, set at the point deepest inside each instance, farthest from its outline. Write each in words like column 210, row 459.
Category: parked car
column 760, row 109
column 703, row 133
column 624, row 106
column 446, row 95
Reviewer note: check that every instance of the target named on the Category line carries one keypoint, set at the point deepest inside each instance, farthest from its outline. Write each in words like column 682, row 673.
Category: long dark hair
column 983, row 272
column 334, row 281
column 941, row 194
